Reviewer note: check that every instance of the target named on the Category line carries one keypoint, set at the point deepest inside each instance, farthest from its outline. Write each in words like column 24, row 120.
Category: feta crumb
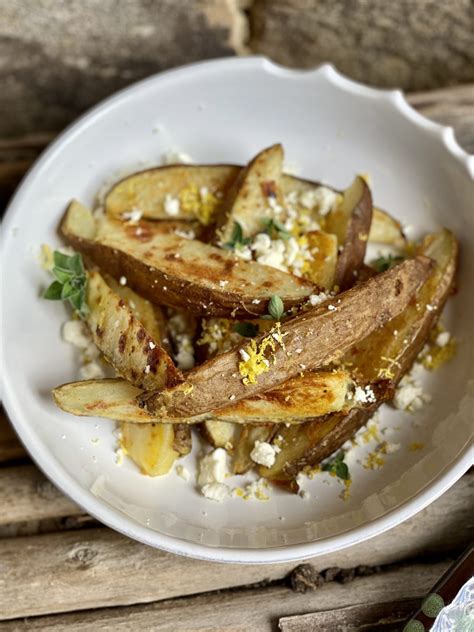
column 76, row 333
column 243, row 252
column 443, row 338
column 430, row 308
column 332, row 308
column 263, row 453
column 123, row 280
column 244, row 355
column 364, row 395
column 256, row 301
column 215, row 491
column 213, row 468
column 322, row 198
column 316, row 299
column 91, row 371
column 151, row 345
column 147, row 369
column 298, row 350
column 133, row 216
column 186, row 234
column 231, row 397
column 174, row 156
column 257, row 490
column 183, row 472
column 409, row 394
column 223, row 283
column 172, row 205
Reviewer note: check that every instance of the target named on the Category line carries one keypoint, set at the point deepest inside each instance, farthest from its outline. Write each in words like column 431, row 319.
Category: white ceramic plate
column 226, row 111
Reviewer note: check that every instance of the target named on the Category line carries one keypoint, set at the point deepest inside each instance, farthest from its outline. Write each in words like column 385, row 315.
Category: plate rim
column 114, row 518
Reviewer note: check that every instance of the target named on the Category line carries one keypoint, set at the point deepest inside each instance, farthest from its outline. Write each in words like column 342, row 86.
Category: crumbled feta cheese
column 151, row 345
column 133, row 216
column 172, row 205
column 263, row 453
column 257, row 490
column 332, row 308
column 316, row 299
column 364, row 395
column 223, row 283
column 213, row 468
column 123, row 280
column 270, row 252
column 91, row 371
column 443, row 338
column 183, row 472
column 174, row 156
column 215, row 491
column 76, row 333
column 243, row 252
column 322, row 198
column 147, row 369
column 183, row 341
column 410, row 395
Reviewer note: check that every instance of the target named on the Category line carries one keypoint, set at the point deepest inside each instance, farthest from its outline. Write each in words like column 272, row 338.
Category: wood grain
column 413, row 44
column 112, row 570
column 25, row 494
column 255, row 609
column 368, row 617
column 10, row 446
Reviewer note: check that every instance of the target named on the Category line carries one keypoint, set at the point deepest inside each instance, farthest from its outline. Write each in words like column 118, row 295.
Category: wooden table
column 60, row 569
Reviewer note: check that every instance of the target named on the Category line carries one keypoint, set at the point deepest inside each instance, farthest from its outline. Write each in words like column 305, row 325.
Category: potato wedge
column 333, row 327
column 179, row 272
column 250, row 199
column 350, row 221
column 147, row 191
column 242, row 462
column 322, row 269
column 126, row 344
column 152, row 447
column 384, row 354
column 293, row 402
column 221, row 434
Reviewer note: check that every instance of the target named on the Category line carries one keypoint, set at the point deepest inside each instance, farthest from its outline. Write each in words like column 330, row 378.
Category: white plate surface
column 226, row 111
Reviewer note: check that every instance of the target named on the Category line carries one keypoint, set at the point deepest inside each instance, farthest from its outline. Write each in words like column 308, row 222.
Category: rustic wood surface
column 62, row 570
column 255, row 609
column 413, row 44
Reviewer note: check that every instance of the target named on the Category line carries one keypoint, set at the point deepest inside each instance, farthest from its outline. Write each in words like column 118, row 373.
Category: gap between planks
column 256, row 609
column 95, row 568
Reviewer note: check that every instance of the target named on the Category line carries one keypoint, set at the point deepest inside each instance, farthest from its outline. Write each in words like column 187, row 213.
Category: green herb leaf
column 53, row 293
column 237, row 238
column 248, row 330
column 382, row 264
column 275, row 229
column 70, row 281
column 337, row 466
column 276, row 308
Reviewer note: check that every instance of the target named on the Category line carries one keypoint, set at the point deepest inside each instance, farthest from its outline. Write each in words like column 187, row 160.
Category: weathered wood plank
column 237, row 611
column 380, row 43
column 25, row 494
column 10, row 446
column 59, row 58
column 98, row 567
column 368, row 617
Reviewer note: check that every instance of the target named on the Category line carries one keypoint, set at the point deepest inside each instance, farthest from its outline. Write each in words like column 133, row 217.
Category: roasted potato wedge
column 179, row 272
column 249, row 200
column 147, row 191
column 322, row 269
column 294, row 402
column 221, row 434
column 350, row 221
column 152, row 447
column 387, row 353
column 123, row 340
column 242, row 462
column 333, row 327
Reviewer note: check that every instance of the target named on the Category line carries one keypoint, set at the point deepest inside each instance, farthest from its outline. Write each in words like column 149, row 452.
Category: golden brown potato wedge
column 331, row 329
column 350, row 221
column 147, row 191
column 387, row 353
column 322, row 269
column 253, row 196
column 221, row 434
column 294, row 402
column 172, row 270
column 242, row 462
column 123, row 340
column 152, row 447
